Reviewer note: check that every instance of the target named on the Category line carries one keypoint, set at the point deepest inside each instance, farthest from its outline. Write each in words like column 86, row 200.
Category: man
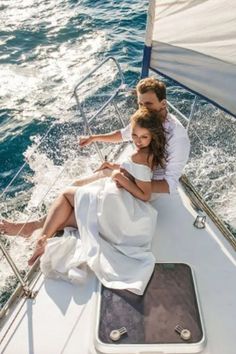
column 151, row 93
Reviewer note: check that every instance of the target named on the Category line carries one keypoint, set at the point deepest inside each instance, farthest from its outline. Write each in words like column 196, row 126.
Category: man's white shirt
column 178, row 148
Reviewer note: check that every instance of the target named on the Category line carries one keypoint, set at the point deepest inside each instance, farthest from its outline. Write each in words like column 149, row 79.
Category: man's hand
column 85, row 140
column 113, row 137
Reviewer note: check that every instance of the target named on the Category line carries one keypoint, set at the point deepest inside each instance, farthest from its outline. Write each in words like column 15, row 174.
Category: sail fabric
column 194, row 43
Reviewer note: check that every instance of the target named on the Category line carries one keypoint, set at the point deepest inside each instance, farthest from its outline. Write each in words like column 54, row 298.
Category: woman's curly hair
column 153, row 121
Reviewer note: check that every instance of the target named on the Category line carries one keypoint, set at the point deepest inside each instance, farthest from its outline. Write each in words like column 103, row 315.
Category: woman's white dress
column 113, row 239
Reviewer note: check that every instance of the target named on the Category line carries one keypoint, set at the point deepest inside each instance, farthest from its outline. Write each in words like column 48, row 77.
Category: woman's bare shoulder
column 142, row 158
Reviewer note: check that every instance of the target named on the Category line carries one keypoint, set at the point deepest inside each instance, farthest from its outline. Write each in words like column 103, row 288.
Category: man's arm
column 113, row 137
column 178, row 149
column 178, row 153
column 160, row 186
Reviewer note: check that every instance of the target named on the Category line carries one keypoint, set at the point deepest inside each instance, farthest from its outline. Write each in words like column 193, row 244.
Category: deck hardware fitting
column 184, row 333
column 117, row 333
column 200, row 221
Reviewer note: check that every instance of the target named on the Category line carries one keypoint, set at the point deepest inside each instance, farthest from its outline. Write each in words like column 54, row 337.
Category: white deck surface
column 62, row 318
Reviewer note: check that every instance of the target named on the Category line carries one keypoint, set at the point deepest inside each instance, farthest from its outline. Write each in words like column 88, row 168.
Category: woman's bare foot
column 39, row 249
column 20, row 229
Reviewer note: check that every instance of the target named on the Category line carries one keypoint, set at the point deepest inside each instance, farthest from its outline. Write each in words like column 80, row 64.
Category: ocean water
column 46, row 48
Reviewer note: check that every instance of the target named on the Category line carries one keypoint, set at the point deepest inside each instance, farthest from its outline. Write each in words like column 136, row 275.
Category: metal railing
column 87, row 122
column 25, row 287
column 23, row 282
column 199, row 204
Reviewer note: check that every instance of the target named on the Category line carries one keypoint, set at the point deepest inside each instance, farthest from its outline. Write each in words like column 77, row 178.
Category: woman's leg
column 24, row 229
column 94, row 177
column 60, row 214
column 70, row 222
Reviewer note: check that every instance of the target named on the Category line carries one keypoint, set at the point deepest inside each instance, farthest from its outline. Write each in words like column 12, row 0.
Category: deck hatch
column 169, row 300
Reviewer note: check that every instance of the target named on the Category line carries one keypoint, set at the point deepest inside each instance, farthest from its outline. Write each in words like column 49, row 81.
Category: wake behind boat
column 189, row 305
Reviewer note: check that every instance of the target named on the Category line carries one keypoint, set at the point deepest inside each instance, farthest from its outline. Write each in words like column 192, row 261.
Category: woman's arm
column 110, row 165
column 105, row 170
column 139, row 189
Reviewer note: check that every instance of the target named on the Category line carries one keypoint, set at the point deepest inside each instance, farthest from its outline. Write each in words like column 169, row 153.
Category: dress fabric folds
column 113, row 239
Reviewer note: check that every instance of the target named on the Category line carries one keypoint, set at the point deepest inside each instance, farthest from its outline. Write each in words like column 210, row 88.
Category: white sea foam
column 214, row 175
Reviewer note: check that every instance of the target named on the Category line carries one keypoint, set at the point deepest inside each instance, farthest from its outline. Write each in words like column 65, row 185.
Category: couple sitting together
column 112, row 221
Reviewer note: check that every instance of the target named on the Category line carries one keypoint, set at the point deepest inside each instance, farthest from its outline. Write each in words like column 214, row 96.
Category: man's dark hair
column 154, row 85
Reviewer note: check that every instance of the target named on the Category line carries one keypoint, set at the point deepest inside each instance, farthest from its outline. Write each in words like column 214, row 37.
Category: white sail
column 194, row 43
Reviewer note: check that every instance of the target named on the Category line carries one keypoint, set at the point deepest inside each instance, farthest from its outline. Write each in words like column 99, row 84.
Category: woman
column 115, row 223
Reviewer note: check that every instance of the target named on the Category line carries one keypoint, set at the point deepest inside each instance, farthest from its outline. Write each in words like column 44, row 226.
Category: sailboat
column 189, row 305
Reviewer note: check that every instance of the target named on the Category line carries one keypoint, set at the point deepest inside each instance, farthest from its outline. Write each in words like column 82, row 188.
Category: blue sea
column 46, row 48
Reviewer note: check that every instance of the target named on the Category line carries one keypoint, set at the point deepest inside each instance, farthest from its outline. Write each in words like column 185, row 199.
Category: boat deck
column 62, row 318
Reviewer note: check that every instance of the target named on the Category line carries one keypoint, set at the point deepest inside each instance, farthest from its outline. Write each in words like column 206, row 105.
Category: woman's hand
column 115, row 176
column 127, row 174
column 85, row 140
column 110, row 165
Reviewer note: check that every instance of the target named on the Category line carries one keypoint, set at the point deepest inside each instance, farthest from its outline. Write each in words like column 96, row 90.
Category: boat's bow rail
column 24, row 282
column 88, row 122
column 201, row 207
